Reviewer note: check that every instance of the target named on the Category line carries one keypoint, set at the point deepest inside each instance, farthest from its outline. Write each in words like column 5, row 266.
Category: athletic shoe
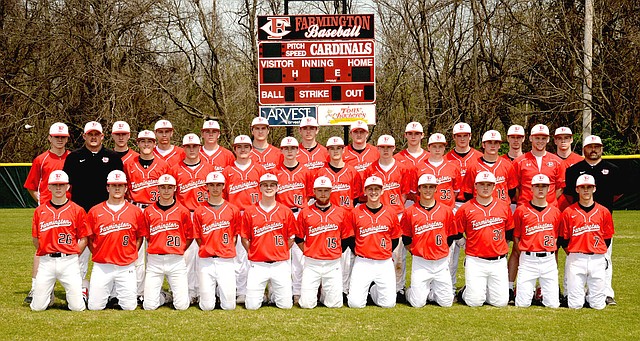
column 240, row 299
column 459, row 295
column 400, row 297
column 112, row 303
column 610, row 301
column 85, row 296
column 29, row 298
column 564, row 301
column 140, row 300
column 345, row 298
column 512, row 297
column 168, row 298
column 296, row 299
column 194, row 300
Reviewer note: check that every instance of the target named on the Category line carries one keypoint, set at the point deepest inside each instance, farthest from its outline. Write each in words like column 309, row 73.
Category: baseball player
column 163, row 130
column 59, row 235
column 218, row 156
column 359, row 154
column 216, row 225
column 515, row 138
column 322, row 231
column 535, row 233
column 377, row 232
column 563, row 138
column 116, row 230
column 586, row 230
column 414, row 155
column 312, row 155
column 462, row 153
column 428, row 229
column 37, row 180
column 120, row 133
column 263, row 153
column 169, row 232
column 488, row 224
column 268, row 230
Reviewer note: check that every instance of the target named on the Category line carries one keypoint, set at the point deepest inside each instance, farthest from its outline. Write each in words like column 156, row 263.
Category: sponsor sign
column 287, row 115
column 346, row 114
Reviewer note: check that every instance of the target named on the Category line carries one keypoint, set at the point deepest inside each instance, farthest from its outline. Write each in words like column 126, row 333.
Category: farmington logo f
column 276, row 27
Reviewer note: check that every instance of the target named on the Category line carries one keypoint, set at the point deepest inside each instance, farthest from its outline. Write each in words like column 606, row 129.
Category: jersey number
column 225, row 238
column 345, row 201
column 393, row 199
column 438, row 239
column 279, row 241
column 297, row 199
column 445, row 194
column 202, row 196
column 383, row 243
column 597, row 241
column 501, row 194
column 254, row 197
column 548, row 241
column 65, row 238
column 497, row 234
column 332, row 243
column 173, row 241
column 125, row 240
column 154, row 196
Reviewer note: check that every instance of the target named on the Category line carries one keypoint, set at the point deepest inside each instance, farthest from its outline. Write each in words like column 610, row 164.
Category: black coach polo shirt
column 609, row 181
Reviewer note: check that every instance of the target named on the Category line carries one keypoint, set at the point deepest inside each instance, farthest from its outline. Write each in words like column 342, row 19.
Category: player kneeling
column 323, row 229
column 216, row 226
column 267, row 234
column 377, row 233
column 428, row 229
column 59, row 235
column 116, row 231
column 535, row 234
column 169, row 233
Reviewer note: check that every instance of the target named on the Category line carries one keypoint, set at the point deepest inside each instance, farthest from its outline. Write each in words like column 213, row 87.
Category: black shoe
column 401, row 297
column 459, row 295
column 29, row 298
column 610, row 301
column 564, row 301
column 140, row 300
column 112, row 303
column 512, row 297
column 345, row 299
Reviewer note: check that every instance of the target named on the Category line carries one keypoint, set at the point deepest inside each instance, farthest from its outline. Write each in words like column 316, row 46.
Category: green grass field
column 402, row 322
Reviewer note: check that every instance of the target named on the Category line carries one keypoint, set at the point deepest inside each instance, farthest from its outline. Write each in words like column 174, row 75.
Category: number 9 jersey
column 216, row 227
column 167, row 231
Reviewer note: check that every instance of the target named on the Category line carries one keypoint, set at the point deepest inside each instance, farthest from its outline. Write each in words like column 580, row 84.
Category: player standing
column 563, row 138
column 59, row 235
column 263, row 153
column 164, row 149
column 414, row 156
column 312, row 154
column 120, row 133
column 360, row 154
column 218, row 156
column 515, row 138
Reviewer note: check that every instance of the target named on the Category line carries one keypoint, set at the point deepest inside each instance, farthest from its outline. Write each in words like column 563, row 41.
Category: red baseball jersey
column 314, row 159
column 449, row 180
column 192, row 190
column 537, row 230
column 572, row 159
column 463, row 162
column 175, row 156
column 398, row 180
column 268, row 158
column 506, row 177
column 295, row 187
column 41, row 167
column 374, row 232
column 360, row 161
column 143, row 183
column 526, row 168
column 485, row 227
column 219, row 159
column 429, row 230
column 409, row 160
column 586, row 231
column 216, row 227
column 113, row 235
column 167, row 232
column 58, row 229
column 323, row 231
column 268, row 232
column 130, row 155
column 347, row 185
column 242, row 187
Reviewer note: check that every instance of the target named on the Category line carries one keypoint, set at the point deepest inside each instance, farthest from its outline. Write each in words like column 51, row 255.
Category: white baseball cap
column 591, row 139
column 268, row 177
column 309, row 122
column 59, row 129
column 116, row 177
column 540, row 129
column 146, row 134
column 373, row 180
column 485, row 177
column 289, row 142
column 210, row 124
column 166, row 179
column 386, row 140
column 540, row 179
column 58, row 177
column 120, row 127
column 190, row 138
column 585, row 179
column 242, row 139
column 335, row 141
column 163, row 124
column 414, row 127
column 563, row 131
column 427, row 179
column 461, row 128
column 322, row 182
column 91, row 126
column 214, row 178
column 437, row 138
column 491, row 135
column 515, row 130
column 359, row 124
column 259, row 121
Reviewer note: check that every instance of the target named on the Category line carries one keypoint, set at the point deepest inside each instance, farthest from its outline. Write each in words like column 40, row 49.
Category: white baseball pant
column 346, row 262
column 241, row 266
column 590, row 270
column 608, row 289
column 217, row 274
column 380, row 272
column 317, row 272
column 297, row 265
column 191, row 260
column 427, row 276
column 454, row 253
column 175, row 269
column 486, row 281
column 278, row 275
column 65, row 269
column 542, row 267
column 399, row 257
column 105, row 278
column 141, row 269
column 83, row 260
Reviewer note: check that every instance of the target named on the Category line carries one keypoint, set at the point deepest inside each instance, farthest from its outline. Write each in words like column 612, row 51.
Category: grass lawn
column 402, row 322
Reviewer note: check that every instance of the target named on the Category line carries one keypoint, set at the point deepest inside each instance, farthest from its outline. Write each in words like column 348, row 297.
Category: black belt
column 539, row 254
column 141, row 205
column 58, row 255
column 493, row 258
column 295, row 209
column 270, row 261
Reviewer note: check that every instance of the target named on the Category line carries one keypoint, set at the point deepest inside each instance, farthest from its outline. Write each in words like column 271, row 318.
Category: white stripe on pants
column 107, row 277
column 325, row 272
column 427, row 275
column 486, row 281
column 278, row 275
column 175, row 269
column 65, row 269
column 589, row 270
column 381, row 273
column 217, row 274
column 532, row 269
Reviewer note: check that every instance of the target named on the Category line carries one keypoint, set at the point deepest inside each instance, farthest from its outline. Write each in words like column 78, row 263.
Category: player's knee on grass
column 308, row 300
column 253, row 303
column 417, row 298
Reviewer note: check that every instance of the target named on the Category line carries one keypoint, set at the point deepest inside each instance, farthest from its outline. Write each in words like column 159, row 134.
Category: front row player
column 586, row 230
column 323, row 232
column 59, row 235
column 169, row 233
column 428, row 230
column 487, row 223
